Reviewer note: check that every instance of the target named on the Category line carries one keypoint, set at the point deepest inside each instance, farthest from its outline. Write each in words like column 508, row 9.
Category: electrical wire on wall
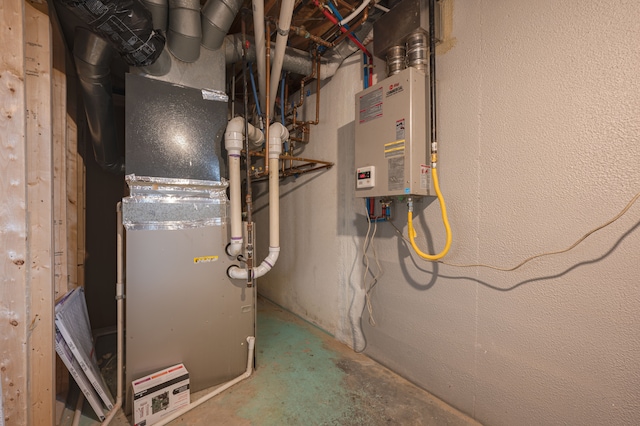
column 368, row 285
column 539, row 255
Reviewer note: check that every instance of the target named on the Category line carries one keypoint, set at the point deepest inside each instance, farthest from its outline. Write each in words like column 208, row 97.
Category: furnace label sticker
column 371, row 106
column 205, row 259
column 394, row 149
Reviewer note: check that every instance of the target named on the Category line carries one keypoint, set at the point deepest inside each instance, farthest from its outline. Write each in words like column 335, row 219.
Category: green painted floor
column 305, row 377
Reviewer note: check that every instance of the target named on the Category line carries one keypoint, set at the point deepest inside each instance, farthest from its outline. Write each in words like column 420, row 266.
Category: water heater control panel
column 366, row 177
column 392, row 145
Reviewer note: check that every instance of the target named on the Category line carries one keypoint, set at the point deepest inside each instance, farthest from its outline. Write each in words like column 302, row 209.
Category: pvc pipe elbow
column 238, row 273
column 234, row 134
column 277, row 134
column 268, row 263
column 235, row 246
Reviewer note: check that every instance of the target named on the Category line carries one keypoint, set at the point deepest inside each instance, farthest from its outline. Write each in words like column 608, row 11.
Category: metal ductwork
column 159, row 11
column 185, row 30
column 93, row 63
column 104, row 28
column 298, row 61
column 217, row 17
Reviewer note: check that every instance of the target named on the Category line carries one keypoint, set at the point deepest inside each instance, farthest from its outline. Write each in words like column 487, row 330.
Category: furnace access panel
column 392, row 145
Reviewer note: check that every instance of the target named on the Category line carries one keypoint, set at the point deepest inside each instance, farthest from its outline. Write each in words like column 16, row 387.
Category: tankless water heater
column 392, row 143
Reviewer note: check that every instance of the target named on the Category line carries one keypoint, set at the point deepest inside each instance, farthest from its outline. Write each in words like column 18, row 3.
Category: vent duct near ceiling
column 217, row 17
column 93, row 60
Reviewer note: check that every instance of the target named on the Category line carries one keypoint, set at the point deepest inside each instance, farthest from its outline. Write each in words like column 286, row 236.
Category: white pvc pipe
column 261, row 50
column 77, row 414
column 233, row 142
column 251, row 341
column 354, row 13
column 277, row 135
column 284, row 23
column 120, row 315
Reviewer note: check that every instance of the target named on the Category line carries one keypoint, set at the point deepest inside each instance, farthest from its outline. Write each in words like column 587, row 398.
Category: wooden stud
column 60, row 187
column 13, row 244
column 40, row 263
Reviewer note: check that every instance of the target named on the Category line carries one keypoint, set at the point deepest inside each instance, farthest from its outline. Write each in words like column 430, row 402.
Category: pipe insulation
column 93, row 56
column 277, row 135
column 233, row 142
column 260, row 50
column 283, row 25
column 355, row 13
column 185, row 29
column 126, row 25
column 298, row 61
column 217, row 17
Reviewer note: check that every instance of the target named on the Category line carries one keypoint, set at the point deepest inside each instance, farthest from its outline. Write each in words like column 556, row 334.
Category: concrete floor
column 305, row 377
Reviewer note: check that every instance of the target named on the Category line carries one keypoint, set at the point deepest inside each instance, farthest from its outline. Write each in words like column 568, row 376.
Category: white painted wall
column 539, row 121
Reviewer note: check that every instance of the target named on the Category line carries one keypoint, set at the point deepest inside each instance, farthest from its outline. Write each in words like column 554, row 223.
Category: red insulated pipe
column 332, row 18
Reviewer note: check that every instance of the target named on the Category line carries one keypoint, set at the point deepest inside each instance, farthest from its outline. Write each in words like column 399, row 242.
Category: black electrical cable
column 432, row 71
column 249, row 200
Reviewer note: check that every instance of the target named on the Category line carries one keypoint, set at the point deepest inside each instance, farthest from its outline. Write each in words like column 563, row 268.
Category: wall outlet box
column 157, row 395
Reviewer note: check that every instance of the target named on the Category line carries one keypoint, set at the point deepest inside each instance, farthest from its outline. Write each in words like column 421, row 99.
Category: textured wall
column 539, row 119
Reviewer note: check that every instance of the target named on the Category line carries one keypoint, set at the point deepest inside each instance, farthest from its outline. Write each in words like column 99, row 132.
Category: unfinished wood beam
column 13, row 240
column 26, row 224
column 40, row 255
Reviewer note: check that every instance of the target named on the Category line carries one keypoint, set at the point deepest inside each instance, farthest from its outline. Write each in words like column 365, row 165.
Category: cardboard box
column 157, row 395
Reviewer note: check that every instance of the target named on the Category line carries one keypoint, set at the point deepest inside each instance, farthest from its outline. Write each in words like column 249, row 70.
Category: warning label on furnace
column 371, row 106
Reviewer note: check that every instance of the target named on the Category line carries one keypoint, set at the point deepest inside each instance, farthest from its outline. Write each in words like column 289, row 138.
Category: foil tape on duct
column 170, row 204
column 125, row 24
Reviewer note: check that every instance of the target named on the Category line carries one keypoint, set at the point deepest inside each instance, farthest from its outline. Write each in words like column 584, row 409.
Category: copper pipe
column 302, row 32
column 267, row 90
column 317, row 120
column 308, row 165
column 315, row 73
column 347, row 5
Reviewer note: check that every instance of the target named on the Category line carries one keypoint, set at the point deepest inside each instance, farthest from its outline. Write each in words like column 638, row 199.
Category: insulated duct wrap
column 172, row 204
column 217, row 17
column 125, row 24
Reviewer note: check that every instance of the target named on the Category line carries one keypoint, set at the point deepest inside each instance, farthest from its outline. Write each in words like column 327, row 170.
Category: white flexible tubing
column 120, row 315
column 277, row 134
column 261, row 50
column 251, row 341
column 284, row 23
column 233, row 141
column 77, row 414
column 354, row 13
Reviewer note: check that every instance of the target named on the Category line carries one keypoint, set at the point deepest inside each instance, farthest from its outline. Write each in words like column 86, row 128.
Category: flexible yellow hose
column 445, row 220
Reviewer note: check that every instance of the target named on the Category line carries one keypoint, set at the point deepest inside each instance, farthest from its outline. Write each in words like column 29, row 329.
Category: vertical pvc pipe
column 120, row 314
column 284, row 23
column 258, row 29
